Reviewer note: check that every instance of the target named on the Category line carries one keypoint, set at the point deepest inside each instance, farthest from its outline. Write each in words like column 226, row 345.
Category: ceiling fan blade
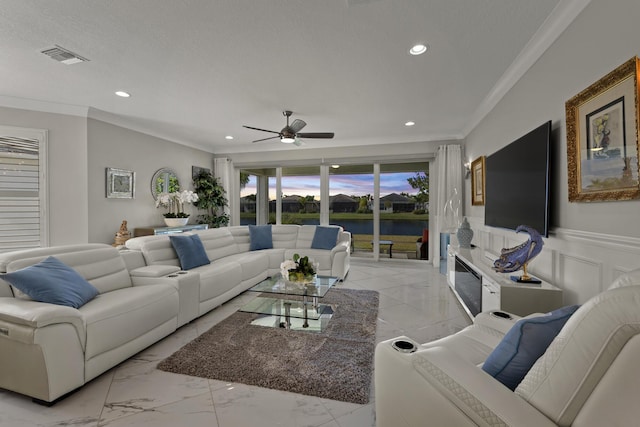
column 297, row 125
column 316, row 135
column 263, row 130
column 266, row 139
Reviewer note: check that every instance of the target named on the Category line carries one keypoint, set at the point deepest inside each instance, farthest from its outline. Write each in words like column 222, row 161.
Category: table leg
column 287, row 315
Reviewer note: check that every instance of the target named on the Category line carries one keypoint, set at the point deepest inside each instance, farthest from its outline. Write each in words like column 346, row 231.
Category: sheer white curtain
column 448, row 210
column 223, row 170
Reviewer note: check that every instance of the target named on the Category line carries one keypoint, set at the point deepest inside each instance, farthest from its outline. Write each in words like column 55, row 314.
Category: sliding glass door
column 384, row 206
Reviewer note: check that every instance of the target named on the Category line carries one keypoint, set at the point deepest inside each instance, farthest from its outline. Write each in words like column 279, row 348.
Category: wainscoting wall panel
column 581, row 278
column 582, row 263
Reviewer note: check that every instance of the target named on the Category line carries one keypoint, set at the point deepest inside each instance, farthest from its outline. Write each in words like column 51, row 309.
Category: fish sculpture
column 516, row 258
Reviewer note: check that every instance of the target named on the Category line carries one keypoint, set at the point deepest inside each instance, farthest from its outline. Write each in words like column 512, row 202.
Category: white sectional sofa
column 48, row 350
column 233, row 267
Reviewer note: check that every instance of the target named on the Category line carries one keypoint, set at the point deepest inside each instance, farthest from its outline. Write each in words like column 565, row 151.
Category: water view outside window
column 301, row 195
column 351, row 197
column 403, row 212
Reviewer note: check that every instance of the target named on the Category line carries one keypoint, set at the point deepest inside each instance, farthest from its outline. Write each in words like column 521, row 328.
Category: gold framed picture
column 602, row 138
column 477, row 181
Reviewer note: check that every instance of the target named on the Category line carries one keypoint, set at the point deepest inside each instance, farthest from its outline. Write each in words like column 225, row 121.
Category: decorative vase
column 176, row 222
column 465, row 234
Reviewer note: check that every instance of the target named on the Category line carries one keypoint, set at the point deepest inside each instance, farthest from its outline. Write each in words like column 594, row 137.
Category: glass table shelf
column 303, row 314
column 284, row 307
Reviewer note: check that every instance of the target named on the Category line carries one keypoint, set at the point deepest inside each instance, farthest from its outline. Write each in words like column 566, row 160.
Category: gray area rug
column 336, row 363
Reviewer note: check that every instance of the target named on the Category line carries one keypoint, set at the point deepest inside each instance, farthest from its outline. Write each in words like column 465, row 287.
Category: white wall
column 67, row 167
column 590, row 243
column 117, row 147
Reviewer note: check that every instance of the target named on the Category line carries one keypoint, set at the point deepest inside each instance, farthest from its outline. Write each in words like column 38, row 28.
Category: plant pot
column 176, row 222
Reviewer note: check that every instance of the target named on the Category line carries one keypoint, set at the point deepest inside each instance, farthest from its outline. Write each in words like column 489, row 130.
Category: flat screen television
column 517, row 180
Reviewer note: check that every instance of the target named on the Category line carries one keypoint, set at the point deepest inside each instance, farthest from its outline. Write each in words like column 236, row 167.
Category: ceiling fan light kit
column 290, row 134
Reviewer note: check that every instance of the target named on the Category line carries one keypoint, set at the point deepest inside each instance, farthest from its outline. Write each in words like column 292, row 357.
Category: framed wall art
column 120, row 184
column 477, row 181
column 195, row 171
column 602, row 138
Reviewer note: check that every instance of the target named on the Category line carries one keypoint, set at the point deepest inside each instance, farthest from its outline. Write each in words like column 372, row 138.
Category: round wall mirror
column 164, row 180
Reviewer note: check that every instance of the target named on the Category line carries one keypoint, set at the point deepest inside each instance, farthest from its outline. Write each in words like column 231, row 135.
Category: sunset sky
column 358, row 185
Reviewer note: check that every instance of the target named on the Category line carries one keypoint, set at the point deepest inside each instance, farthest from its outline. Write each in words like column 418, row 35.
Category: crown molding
column 43, row 106
column 560, row 18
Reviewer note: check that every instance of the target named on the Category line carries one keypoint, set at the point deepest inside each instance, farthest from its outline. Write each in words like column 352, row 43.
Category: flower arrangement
column 175, row 202
column 298, row 269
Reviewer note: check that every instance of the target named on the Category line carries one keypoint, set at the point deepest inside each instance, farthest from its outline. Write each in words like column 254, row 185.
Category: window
column 248, row 194
column 301, row 195
column 400, row 217
column 23, row 221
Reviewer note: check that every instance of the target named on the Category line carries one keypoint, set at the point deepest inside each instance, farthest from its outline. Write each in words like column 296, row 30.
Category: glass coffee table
column 305, row 313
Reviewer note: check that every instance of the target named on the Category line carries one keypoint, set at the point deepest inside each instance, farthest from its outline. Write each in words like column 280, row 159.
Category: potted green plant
column 211, row 198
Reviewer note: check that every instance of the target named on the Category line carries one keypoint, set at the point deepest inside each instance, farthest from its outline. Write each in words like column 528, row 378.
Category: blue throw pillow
column 53, row 282
column 525, row 342
column 260, row 237
column 325, row 237
column 190, row 251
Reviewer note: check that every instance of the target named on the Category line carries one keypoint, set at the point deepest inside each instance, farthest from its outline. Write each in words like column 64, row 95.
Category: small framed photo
column 120, row 184
column 602, row 138
column 196, row 170
column 477, row 181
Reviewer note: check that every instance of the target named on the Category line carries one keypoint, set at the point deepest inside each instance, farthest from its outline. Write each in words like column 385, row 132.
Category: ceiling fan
column 290, row 134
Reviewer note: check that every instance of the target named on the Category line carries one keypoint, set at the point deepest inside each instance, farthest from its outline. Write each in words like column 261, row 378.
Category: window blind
column 21, row 198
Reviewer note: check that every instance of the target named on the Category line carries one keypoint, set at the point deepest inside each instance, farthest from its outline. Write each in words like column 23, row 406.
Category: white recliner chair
column 588, row 376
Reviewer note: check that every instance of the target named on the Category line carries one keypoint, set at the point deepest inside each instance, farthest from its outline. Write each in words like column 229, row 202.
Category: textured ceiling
column 199, row 70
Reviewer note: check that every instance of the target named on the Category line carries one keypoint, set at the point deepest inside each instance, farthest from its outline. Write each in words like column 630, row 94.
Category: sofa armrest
column 344, row 237
column 132, row 259
column 439, row 385
column 341, row 246
column 496, row 322
column 153, row 271
column 28, row 315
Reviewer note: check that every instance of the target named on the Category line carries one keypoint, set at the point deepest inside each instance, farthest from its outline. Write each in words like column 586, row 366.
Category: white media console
column 479, row 288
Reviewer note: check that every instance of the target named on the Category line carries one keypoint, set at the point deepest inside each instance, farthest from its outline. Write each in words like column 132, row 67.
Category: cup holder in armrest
column 501, row 315
column 404, row 346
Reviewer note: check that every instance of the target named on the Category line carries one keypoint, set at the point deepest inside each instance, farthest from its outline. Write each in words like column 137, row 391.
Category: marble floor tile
column 196, row 411
column 414, row 301
column 244, row 405
column 142, row 387
column 361, row 417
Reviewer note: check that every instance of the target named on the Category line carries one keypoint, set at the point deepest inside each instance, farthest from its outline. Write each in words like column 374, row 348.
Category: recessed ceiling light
column 335, row 166
column 418, row 49
column 123, row 94
column 410, row 123
column 228, row 137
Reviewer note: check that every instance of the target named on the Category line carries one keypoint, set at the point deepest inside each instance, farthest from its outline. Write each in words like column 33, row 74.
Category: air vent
column 63, row 55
